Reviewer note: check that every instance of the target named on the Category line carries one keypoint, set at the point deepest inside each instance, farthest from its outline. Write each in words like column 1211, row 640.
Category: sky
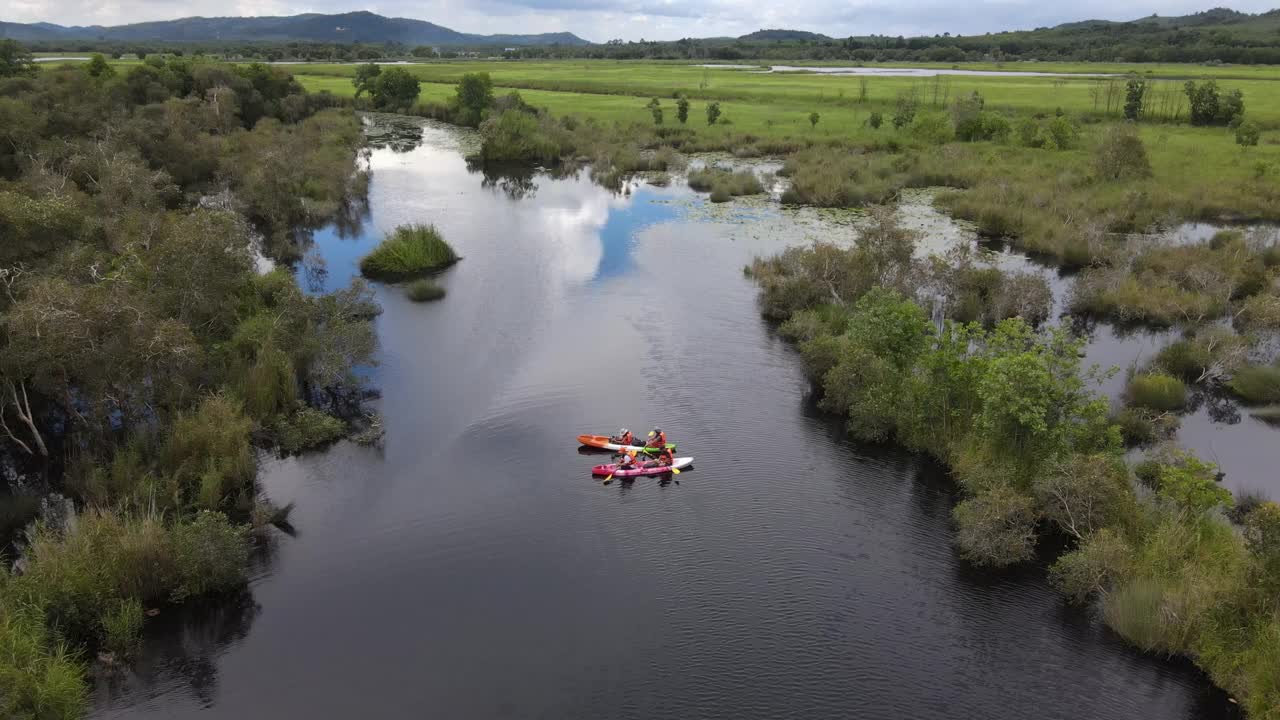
column 601, row 20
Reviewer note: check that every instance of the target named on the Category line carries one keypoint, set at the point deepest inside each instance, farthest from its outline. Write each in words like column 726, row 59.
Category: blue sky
column 601, row 20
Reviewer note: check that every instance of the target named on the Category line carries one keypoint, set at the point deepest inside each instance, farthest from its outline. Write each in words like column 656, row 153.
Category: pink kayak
column 680, row 463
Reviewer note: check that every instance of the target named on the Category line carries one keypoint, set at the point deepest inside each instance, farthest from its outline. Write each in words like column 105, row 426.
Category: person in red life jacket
column 624, row 437
column 666, row 457
column 657, row 438
column 627, row 461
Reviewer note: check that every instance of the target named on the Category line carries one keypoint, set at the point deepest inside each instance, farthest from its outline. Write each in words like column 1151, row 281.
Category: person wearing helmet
column 657, row 438
column 624, row 437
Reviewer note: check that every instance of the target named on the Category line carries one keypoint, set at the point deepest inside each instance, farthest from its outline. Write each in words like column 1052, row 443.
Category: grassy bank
column 787, row 98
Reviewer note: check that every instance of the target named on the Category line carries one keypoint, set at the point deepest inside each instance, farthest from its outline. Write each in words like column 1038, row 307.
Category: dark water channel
column 472, row 569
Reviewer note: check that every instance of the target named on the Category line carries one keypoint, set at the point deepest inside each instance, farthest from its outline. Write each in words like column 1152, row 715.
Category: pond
column 471, row 568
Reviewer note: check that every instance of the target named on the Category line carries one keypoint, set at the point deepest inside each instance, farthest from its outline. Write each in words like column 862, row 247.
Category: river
column 471, row 568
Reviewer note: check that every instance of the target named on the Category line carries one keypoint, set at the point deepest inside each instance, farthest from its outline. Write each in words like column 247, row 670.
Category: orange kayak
column 604, row 442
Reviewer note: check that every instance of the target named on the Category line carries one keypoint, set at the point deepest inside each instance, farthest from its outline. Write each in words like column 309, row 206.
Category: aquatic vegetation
column 824, row 178
column 1258, row 385
column 725, row 184
column 1158, row 392
column 424, row 290
column 307, row 428
column 407, row 251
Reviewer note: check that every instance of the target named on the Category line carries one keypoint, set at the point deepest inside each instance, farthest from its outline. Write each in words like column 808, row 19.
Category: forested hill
column 353, row 27
column 783, row 35
column 1217, row 35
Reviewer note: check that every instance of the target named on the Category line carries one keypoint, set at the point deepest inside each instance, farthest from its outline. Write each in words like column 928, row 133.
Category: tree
column 1084, row 493
column 140, row 53
column 875, row 121
column 1247, row 134
column 813, row 119
column 1134, row 91
column 365, row 78
column 1206, row 104
column 473, row 97
column 1121, row 154
column 713, row 113
column 682, row 109
column 15, row 61
column 396, row 88
column 98, row 67
column 655, row 107
column 904, row 111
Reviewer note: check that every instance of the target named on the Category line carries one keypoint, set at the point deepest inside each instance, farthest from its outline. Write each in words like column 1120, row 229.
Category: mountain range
column 352, row 27
column 367, row 27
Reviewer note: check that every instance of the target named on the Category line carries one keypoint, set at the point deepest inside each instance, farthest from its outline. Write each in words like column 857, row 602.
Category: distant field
column 800, row 94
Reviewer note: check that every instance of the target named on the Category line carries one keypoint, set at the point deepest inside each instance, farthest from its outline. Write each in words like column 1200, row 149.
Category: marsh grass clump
column 1155, row 391
column 1184, row 359
column 208, row 453
column 826, row 177
column 1257, row 385
column 306, row 429
column 724, row 184
column 424, row 290
column 121, row 626
column 410, row 250
column 1141, row 426
column 40, row 675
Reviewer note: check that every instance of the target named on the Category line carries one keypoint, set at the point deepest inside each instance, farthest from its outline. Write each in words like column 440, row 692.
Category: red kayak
column 680, row 463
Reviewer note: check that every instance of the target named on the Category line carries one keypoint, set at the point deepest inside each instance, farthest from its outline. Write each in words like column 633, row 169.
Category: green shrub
column 307, row 428
column 519, row 137
column 932, row 128
column 408, row 251
column 996, row 527
column 1094, row 566
column 1257, row 385
column 1121, row 154
column 720, row 195
column 1157, row 392
column 424, row 290
column 210, row 555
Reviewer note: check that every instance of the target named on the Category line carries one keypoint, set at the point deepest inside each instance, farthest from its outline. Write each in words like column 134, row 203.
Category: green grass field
column 797, row 94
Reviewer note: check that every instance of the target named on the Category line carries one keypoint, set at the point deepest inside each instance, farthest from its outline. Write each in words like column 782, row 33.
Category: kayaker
column 666, row 457
column 627, row 461
column 657, row 438
column 624, row 437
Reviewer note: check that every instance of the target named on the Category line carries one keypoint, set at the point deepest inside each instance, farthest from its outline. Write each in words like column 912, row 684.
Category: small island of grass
column 409, row 251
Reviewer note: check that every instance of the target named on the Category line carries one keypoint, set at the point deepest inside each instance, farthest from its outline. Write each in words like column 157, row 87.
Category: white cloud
column 600, row 20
